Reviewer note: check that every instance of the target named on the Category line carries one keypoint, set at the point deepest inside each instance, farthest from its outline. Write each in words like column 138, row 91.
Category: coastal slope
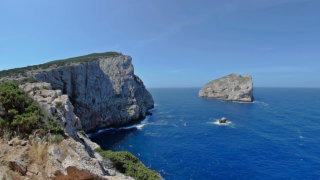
column 81, row 94
column 233, row 87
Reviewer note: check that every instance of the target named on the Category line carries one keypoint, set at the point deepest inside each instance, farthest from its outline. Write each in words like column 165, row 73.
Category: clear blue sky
column 181, row 43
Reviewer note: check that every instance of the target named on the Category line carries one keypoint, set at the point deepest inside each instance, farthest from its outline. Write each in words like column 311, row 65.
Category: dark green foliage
column 63, row 62
column 237, row 88
column 127, row 163
column 22, row 116
column 59, row 104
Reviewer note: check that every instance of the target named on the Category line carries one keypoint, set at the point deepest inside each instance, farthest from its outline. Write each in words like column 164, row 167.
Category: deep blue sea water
column 277, row 137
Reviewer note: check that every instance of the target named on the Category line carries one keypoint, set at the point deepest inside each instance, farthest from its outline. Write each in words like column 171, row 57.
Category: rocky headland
column 81, row 94
column 233, row 87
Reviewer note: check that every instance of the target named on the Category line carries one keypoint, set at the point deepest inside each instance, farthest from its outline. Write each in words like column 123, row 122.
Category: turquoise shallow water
column 276, row 137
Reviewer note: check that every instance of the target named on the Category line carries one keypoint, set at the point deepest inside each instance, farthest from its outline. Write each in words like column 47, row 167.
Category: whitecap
column 140, row 126
column 216, row 122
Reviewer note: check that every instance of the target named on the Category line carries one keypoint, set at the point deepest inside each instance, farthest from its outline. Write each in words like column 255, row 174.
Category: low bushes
column 21, row 116
column 81, row 59
column 128, row 164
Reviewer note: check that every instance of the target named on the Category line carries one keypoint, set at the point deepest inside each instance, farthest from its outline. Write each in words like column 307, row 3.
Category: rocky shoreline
column 84, row 97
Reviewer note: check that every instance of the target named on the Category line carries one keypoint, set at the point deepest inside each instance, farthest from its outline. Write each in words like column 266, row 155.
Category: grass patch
column 128, row 164
column 38, row 151
column 237, row 88
column 20, row 115
column 57, row 63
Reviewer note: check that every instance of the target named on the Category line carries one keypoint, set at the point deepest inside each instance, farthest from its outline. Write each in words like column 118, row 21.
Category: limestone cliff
column 104, row 92
column 233, row 87
column 83, row 95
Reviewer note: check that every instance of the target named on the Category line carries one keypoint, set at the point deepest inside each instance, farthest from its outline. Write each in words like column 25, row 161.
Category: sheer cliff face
column 233, row 87
column 104, row 92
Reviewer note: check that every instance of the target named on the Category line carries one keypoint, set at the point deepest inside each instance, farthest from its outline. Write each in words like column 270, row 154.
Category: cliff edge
column 102, row 87
column 233, row 87
column 84, row 93
column 104, row 92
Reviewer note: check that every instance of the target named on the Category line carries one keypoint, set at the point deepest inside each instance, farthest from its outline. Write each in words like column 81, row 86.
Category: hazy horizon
column 173, row 44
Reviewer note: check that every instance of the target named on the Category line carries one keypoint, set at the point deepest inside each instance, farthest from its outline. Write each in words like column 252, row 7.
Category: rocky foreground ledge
column 233, row 87
column 83, row 94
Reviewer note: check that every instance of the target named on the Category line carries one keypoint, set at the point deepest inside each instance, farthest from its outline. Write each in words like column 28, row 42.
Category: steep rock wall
column 104, row 93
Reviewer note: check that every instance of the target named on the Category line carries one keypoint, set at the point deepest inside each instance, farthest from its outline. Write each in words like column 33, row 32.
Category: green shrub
column 59, row 104
column 22, row 116
column 128, row 164
column 237, row 88
column 56, row 138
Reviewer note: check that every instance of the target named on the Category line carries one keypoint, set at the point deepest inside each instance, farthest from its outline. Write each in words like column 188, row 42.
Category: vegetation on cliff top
column 20, row 115
column 128, row 164
column 57, row 63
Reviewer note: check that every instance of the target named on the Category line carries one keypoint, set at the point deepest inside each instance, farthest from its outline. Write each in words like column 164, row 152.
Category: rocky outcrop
column 223, row 120
column 104, row 93
column 233, row 87
column 55, row 104
column 68, row 160
column 73, row 158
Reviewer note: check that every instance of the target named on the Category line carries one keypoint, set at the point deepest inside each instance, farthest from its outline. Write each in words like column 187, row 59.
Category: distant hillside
column 81, row 59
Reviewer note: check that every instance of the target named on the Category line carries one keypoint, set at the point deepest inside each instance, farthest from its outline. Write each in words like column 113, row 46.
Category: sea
column 276, row 137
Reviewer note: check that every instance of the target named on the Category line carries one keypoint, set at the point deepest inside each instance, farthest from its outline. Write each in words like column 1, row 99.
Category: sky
column 181, row 43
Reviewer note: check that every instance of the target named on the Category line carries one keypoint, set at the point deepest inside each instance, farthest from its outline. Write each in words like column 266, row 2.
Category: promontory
column 233, row 87
column 47, row 109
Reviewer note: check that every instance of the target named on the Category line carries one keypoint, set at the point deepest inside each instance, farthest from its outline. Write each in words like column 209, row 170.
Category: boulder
column 233, row 87
column 223, row 120
column 18, row 166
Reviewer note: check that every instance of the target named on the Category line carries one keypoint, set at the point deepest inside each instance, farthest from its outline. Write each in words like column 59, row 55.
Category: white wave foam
column 216, row 122
column 140, row 126
column 262, row 103
column 137, row 126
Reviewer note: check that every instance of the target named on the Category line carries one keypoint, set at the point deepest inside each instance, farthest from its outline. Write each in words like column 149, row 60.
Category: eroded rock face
column 54, row 103
column 233, row 87
column 104, row 92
